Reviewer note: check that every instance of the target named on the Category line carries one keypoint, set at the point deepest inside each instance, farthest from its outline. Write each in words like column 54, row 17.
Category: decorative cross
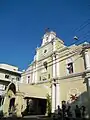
column 73, row 97
column 47, row 29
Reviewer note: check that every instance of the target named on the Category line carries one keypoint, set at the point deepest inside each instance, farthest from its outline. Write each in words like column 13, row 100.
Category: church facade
column 57, row 70
column 61, row 71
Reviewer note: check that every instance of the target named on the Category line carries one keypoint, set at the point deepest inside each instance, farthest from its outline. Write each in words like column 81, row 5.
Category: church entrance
column 36, row 106
column 12, row 106
column 12, row 91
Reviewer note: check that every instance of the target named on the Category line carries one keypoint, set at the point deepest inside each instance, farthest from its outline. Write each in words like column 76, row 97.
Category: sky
column 23, row 24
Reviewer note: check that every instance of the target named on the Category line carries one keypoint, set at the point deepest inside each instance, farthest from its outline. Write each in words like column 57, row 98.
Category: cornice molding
column 66, row 77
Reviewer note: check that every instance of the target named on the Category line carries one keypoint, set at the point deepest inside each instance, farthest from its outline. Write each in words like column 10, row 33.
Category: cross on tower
column 47, row 30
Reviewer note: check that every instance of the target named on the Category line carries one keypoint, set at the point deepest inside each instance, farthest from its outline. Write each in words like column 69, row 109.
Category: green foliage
column 48, row 105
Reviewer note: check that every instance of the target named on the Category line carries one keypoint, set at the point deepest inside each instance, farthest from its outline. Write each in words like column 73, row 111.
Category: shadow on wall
column 82, row 99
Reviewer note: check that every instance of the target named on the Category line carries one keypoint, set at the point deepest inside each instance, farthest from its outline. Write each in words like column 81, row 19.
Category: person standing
column 64, row 109
column 69, row 113
column 77, row 112
column 83, row 110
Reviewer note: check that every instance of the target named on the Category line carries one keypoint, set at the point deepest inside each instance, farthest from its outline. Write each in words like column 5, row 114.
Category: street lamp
column 75, row 37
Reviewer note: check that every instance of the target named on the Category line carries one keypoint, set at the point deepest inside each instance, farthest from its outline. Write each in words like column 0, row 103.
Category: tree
column 48, row 105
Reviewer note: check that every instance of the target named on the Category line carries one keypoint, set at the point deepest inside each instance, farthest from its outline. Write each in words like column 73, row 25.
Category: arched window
column 44, row 79
column 45, row 65
column 69, row 66
column 28, row 79
column 12, row 87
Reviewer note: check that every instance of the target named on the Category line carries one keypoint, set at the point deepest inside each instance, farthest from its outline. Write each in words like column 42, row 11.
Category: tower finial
column 47, row 30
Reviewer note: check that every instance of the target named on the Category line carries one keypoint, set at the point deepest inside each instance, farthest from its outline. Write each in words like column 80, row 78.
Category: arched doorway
column 11, row 94
column 12, row 87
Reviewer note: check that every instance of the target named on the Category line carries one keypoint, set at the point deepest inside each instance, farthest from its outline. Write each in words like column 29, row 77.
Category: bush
column 48, row 105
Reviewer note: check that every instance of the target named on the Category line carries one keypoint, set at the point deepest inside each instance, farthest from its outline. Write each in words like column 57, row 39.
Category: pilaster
column 87, row 59
column 57, row 66
column 53, row 98
column 87, row 67
column 57, row 95
column 33, row 80
column 36, row 73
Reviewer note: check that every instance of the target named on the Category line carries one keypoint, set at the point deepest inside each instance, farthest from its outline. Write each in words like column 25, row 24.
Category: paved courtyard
column 36, row 117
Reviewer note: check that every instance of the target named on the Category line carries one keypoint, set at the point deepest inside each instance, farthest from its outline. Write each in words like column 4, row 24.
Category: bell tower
column 48, row 36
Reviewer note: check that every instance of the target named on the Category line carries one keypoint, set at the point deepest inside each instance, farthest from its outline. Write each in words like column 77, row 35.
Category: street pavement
column 29, row 117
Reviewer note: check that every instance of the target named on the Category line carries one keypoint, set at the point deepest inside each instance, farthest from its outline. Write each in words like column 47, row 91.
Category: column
column 54, row 48
column 57, row 66
column 17, row 85
column 6, row 106
column 88, row 87
column 33, row 80
column 53, row 97
column 54, row 85
column 57, row 95
column 36, row 73
column 54, row 60
column 58, row 85
column 87, row 63
column 54, row 67
column 19, row 103
column 87, row 60
column 88, row 90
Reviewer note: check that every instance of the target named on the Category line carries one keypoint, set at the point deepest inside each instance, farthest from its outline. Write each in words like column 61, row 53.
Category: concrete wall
column 72, row 86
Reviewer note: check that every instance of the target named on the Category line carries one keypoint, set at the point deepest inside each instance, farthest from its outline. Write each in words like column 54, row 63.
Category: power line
column 85, row 40
column 85, row 34
column 80, row 28
column 48, row 62
column 76, row 41
column 85, row 37
column 83, row 25
column 79, row 38
column 88, row 36
column 49, row 66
